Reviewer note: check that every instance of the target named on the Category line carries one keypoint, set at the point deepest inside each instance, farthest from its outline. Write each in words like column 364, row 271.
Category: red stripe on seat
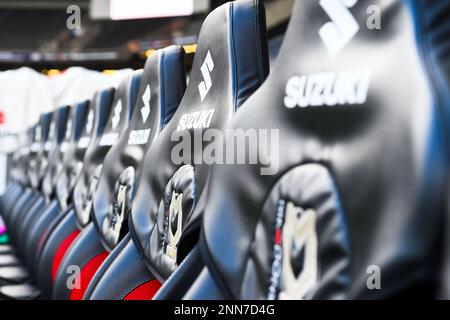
column 86, row 275
column 61, row 251
column 145, row 291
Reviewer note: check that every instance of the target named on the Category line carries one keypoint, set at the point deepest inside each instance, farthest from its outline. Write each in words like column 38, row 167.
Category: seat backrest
column 19, row 165
column 37, row 148
column 56, row 135
column 230, row 63
column 96, row 121
column 58, row 147
column 118, row 119
column 162, row 86
column 356, row 186
column 82, row 114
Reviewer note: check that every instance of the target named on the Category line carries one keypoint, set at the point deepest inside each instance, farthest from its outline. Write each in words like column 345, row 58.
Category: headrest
column 63, row 115
column 98, row 113
column 121, row 110
column 355, row 183
column 58, row 146
column 81, row 112
column 102, row 109
column 162, row 86
column 22, row 156
column 71, row 162
column 91, row 127
column 230, row 60
column 75, row 123
column 20, row 161
column 37, row 148
column 42, row 131
column 230, row 63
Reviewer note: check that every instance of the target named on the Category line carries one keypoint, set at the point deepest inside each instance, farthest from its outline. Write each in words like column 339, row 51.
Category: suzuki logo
column 145, row 111
column 342, row 28
column 174, row 224
column 206, row 69
column 90, row 122
column 116, row 117
column 299, row 233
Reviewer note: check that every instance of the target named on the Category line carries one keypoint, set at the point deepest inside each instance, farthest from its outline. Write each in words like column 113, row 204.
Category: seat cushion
column 14, row 274
column 8, row 259
column 20, row 292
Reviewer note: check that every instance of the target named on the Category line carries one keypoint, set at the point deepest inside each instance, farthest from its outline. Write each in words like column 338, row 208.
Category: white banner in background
column 25, row 94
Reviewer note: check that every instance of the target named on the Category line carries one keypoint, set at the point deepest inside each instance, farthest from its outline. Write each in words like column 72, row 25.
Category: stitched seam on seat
column 258, row 44
column 212, row 267
column 233, row 49
column 162, row 89
column 136, row 285
column 94, row 282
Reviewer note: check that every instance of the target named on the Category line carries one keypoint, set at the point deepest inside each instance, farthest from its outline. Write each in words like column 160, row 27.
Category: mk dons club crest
column 119, row 210
column 113, row 226
column 174, row 224
column 294, row 269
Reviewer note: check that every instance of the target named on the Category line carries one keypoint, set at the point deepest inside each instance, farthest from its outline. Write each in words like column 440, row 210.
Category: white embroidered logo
column 116, row 117
column 337, row 33
column 206, row 69
column 145, row 111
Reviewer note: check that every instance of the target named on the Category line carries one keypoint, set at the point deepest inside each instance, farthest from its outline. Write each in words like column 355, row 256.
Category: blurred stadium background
column 44, row 64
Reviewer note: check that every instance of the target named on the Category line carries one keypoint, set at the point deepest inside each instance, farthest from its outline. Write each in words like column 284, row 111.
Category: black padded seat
column 14, row 274
column 359, row 188
column 230, row 63
column 121, row 111
column 87, row 151
column 162, row 86
column 6, row 248
column 19, row 292
column 8, row 259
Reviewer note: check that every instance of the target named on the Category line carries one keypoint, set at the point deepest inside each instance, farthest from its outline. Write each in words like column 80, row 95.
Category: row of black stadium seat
column 350, row 202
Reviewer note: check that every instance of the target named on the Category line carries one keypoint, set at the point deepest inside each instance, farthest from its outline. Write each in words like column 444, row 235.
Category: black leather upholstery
column 233, row 42
column 69, row 149
column 87, row 150
column 122, row 108
column 162, row 86
column 361, row 180
column 71, row 164
column 58, row 149
column 53, row 150
column 348, row 198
